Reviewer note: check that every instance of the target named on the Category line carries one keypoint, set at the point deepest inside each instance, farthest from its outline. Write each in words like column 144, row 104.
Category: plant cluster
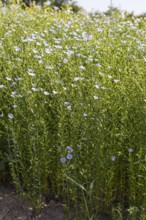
column 73, row 110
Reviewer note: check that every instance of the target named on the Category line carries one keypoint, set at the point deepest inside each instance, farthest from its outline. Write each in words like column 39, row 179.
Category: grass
column 73, row 110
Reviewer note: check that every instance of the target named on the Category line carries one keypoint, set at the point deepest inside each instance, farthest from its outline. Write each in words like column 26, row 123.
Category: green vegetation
column 73, row 110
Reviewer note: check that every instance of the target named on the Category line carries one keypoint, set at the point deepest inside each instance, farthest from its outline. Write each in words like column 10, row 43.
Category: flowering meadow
column 73, row 110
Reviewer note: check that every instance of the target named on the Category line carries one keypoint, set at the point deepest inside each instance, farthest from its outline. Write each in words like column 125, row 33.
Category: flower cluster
column 69, row 155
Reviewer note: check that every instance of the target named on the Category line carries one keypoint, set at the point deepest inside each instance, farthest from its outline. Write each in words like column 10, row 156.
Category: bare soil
column 13, row 207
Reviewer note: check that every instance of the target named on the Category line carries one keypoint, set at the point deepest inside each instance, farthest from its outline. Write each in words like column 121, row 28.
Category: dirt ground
column 13, row 207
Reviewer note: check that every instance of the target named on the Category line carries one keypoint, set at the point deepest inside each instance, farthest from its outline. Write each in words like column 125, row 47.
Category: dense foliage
column 73, row 110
